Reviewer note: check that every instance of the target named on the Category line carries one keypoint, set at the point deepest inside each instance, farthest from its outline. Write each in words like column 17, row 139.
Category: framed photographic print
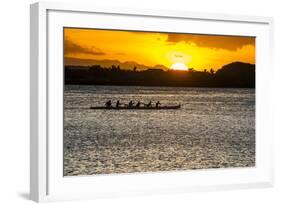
column 128, row 102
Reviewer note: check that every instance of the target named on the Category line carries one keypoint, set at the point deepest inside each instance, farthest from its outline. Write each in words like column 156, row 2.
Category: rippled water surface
column 215, row 128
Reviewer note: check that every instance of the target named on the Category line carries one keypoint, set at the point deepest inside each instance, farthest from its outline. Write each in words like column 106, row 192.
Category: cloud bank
column 72, row 48
column 232, row 43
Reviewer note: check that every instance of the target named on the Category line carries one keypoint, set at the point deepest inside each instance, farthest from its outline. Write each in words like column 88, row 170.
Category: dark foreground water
column 215, row 128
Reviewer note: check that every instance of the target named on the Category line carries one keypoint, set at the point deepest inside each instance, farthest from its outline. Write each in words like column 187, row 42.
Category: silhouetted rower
column 138, row 104
column 131, row 104
column 108, row 103
column 157, row 104
column 149, row 104
column 117, row 103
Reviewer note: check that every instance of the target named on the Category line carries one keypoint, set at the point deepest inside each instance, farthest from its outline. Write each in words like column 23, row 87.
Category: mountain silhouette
column 238, row 73
column 127, row 65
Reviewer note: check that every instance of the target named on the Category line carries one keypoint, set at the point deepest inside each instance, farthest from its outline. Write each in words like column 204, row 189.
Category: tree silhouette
column 235, row 74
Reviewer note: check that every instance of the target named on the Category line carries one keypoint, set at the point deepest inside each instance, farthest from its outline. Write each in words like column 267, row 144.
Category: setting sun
column 179, row 66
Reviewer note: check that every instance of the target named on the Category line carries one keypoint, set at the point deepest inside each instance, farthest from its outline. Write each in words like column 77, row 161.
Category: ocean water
column 215, row 128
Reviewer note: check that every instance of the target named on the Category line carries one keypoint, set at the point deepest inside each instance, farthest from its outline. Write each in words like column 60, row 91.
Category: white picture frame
column 46, row 180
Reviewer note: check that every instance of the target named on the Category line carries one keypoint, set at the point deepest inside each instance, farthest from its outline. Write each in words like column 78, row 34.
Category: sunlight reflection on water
column 214, row 128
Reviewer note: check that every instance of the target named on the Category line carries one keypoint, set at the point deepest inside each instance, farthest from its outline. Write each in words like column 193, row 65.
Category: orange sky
column 151, row 48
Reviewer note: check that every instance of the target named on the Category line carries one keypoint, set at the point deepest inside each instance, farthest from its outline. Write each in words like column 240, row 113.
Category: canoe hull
column 138, row 108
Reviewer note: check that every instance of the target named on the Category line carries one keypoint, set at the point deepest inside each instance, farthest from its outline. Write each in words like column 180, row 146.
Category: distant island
column 233, row 75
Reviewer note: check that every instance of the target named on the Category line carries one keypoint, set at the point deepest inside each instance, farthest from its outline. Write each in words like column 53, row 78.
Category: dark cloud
column 212, row 41
column 71, row 47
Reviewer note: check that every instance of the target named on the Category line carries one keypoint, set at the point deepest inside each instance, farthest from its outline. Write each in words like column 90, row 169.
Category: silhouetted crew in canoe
column 108, row 103
column 138, row 104
column 149, row 104
column 117, row 103
column 130, row 104
column 157, row 104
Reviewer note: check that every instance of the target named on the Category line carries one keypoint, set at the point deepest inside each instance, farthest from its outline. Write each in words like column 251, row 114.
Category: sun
column 179, row 66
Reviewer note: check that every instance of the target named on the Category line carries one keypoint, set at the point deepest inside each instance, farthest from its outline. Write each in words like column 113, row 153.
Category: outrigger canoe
column 172, row 107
